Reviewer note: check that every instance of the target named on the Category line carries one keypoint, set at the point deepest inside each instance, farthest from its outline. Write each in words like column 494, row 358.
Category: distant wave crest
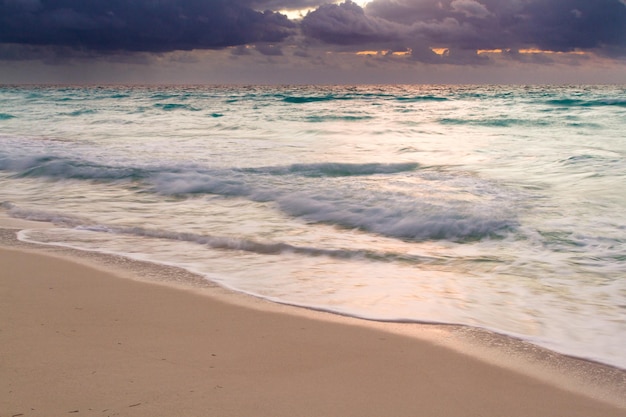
column 313, row 99
column 412, row 99
column 494, row 122
column 574, row 102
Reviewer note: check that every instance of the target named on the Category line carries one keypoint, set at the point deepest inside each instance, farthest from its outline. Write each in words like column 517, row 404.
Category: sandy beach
column 79, row 340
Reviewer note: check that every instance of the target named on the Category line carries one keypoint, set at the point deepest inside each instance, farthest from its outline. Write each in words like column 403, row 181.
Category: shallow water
column 493, row 206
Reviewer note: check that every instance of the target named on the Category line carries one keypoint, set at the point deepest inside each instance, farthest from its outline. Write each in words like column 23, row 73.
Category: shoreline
column 424, row 366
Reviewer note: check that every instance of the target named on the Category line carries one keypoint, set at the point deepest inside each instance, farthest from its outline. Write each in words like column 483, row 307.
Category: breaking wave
column 214, row 242
column 315, row 198
column 60, row 167
column 336, row 169
column 56, row 167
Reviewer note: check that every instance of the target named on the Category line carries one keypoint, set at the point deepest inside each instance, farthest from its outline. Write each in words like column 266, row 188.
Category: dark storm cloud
column 139, row 25
column 564, row 25
column 460, row 25
column 347, row 24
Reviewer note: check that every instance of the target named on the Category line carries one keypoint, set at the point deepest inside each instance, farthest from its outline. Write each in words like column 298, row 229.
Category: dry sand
column 77, row 340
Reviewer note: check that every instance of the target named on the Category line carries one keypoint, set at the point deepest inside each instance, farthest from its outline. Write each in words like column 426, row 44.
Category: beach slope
column 76, row 340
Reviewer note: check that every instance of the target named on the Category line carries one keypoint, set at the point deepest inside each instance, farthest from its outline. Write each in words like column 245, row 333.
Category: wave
column 58, row 219
column 421, row 98
column 64, row 168
column 336, row 169
column 390, row 214
column 201, row 182
column 400, row 217
column 356, row 96
column 574, row 102
column 494, row 122
column 578, row 159
column 6, row 116
column 214, row 242
column 314, row 99
column 333, row 117
column 175, row 106
column 80, row 112
column 254, row 246
column 164, row 95
column 119, row 95
column 60, row 167
column 594, row 164
column 316, row 197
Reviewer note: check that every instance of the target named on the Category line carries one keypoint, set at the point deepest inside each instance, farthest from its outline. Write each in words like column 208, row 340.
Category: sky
column 313, row 42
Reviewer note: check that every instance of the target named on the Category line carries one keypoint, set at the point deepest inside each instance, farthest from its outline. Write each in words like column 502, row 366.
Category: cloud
column 470, row 8
column 566, row 25
column 284, row 4
column 88, row 28
column 139, row 25
column 556, row 25
column 347, row 24
column 471, row 25
column 269, row 50
column 407, row 25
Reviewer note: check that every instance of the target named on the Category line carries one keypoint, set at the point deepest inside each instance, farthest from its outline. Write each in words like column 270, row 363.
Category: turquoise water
column 501, row 207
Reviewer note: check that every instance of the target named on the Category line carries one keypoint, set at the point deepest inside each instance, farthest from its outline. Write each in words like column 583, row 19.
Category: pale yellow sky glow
column 527, row 51
column 397, row 53
column 298, row 14
column 443, row 51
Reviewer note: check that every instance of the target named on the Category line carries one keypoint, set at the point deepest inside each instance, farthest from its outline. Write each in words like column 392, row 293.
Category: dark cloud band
column 462, row 26
column 555, row 25
column 138, row 25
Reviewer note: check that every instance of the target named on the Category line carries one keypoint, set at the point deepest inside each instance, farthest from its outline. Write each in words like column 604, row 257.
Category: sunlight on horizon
column 298, row 14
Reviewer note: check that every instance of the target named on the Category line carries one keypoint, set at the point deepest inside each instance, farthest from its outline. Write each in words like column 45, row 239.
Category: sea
column 498, row 207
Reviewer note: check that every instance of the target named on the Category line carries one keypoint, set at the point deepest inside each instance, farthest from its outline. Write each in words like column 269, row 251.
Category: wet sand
column 81, row 340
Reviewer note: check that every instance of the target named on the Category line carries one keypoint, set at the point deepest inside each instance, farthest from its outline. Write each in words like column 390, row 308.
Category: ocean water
column 500, row 207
